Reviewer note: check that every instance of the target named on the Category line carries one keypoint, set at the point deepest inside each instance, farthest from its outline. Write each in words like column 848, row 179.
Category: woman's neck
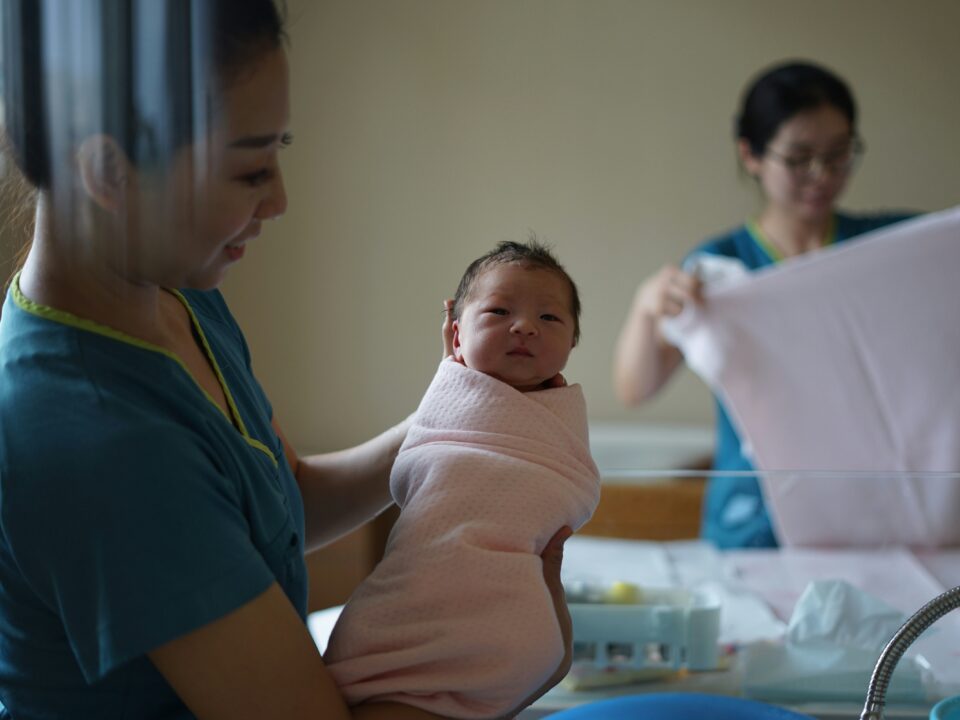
column 793, row 235
column 72, row 273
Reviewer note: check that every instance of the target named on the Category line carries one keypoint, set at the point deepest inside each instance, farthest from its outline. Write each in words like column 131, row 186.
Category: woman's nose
column 275, row 203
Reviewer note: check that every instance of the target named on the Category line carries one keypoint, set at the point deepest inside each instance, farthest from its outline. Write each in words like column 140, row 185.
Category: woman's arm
column 344, row 489
column 643, row 359
column 259, row 661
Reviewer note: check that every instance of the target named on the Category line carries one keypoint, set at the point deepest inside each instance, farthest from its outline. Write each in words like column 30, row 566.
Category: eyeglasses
column 836, row 162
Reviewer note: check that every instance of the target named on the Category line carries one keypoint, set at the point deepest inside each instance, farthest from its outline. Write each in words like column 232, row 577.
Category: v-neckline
column 231, row 414
column 772, row 251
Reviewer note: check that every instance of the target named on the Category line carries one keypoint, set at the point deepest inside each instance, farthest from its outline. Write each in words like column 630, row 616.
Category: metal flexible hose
column 901, row 640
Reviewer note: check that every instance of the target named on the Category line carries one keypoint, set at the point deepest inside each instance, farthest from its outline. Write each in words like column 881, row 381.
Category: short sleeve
column 136, row 545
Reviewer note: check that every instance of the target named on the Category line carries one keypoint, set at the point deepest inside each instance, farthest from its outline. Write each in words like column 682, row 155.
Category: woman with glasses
column 797, row 137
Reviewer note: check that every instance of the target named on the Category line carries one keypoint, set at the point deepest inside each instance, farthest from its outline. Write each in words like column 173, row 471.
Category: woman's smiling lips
column 236, row 249
column 235, row 252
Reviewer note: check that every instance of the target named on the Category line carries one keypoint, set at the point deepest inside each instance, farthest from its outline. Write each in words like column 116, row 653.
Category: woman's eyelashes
column 257, row 178
column 265, row 175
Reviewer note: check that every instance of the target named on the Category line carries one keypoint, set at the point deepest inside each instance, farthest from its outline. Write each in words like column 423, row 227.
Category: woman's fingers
column 552, row 557
column 446, row 330
column 674, row 290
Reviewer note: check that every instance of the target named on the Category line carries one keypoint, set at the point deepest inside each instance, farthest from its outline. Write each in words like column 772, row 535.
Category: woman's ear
column 750, row 162
column 104, row 171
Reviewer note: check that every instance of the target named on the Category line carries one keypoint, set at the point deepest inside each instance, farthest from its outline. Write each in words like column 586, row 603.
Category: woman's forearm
column 643, row 360
column 344, row 489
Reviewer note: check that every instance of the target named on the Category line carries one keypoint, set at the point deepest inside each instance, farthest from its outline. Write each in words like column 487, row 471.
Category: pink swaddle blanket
column 846, row 361
column 456, row 618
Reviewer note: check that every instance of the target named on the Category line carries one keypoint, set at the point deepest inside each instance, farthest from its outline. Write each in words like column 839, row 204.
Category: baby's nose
column 524, row 326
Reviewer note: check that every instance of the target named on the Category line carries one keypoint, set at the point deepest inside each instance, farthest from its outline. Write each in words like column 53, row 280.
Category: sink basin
column 681, row 706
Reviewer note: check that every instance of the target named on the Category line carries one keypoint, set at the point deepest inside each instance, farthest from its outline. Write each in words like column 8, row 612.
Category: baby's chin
column 533, row 385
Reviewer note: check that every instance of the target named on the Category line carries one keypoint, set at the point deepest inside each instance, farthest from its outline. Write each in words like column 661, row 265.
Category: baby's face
column 517, row 325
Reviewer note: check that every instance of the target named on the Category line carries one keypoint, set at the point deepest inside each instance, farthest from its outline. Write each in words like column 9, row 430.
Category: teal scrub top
column 734, row 514
column 132, row 509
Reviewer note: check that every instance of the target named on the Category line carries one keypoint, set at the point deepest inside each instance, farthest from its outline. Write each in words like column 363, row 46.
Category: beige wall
column 427, row 130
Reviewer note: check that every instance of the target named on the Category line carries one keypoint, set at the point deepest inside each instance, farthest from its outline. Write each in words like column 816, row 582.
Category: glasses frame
column 815, row 165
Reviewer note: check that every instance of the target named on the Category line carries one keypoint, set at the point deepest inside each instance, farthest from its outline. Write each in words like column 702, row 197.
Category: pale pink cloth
column 847, row 359
column 457, row 619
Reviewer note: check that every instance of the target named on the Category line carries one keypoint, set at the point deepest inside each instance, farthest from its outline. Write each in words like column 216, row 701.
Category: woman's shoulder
column 74, row 401
column 735, row 243
column 851, row 224
column 728, row 242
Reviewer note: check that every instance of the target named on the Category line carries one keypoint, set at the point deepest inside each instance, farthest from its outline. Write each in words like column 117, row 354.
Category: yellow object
column 623, row 593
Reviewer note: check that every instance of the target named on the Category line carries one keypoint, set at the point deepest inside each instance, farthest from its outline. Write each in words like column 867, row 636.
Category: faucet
column 901, row 640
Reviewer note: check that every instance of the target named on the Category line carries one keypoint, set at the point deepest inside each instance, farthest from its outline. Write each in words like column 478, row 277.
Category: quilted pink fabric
column 456, row 619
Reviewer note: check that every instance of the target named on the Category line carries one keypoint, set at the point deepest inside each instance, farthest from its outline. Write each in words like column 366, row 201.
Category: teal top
column 132, row 509
column 734, row 514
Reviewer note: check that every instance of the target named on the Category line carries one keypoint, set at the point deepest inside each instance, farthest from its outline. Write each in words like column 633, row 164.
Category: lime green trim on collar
column 65, row 318
column 771, row 250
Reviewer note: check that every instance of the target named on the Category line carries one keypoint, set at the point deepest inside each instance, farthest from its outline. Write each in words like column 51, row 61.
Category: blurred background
column 428, row 130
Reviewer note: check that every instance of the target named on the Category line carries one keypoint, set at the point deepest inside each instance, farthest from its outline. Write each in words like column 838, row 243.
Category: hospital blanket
column 456, row 618
column 845, row 364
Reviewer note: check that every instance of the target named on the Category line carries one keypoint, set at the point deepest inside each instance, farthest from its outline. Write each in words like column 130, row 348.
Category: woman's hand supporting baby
column 552, row 557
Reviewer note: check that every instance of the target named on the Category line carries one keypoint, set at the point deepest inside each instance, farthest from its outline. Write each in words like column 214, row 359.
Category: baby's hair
column 532, row 254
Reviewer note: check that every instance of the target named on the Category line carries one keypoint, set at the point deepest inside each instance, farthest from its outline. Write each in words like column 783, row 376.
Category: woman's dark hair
column 783, row 91
column 146, row 72
column 532, row 254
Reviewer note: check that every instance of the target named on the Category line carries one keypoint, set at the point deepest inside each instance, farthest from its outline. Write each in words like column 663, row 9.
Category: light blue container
column 947, row 709
column 677, row 706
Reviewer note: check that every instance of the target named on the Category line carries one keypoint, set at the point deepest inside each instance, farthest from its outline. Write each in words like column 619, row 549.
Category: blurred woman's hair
column 779, row 93
column 148, row 73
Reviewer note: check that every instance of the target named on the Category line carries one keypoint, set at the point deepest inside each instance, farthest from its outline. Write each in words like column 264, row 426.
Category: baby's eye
column 550, row 318
column 497, row 311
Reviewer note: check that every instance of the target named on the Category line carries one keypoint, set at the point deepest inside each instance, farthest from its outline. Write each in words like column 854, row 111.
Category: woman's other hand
column 643, row 359
column 668, row 292
column 446, row 330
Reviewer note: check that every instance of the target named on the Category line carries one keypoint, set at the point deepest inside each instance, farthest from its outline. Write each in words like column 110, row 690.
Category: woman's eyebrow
column 832, row 142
